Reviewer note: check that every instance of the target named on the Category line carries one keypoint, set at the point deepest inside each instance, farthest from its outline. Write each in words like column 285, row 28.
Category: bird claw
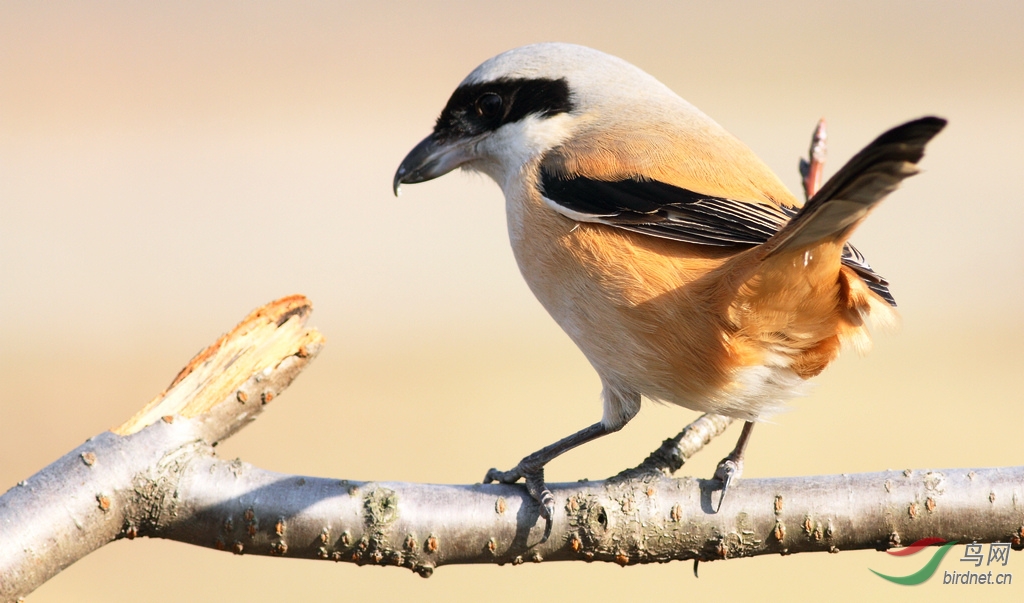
column 534, row 485
column 729, row 469
column 503, row 477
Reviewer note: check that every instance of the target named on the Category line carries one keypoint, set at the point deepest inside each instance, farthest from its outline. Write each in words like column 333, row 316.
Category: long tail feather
column 834, row 211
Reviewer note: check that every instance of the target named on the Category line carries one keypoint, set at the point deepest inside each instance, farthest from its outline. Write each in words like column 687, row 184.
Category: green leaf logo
column 925, row 572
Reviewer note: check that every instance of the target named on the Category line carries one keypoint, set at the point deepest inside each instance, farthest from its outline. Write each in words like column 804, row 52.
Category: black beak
column 431, row 159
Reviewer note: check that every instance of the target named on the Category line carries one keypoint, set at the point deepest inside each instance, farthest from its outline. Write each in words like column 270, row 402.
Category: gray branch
column 157, row 476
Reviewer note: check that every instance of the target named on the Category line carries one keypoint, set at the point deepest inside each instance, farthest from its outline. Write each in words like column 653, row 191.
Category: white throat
column 503, row 153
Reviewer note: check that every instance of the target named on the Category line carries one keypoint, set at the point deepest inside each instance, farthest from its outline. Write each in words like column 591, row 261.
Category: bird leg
column 731, row 467
column 531, row 468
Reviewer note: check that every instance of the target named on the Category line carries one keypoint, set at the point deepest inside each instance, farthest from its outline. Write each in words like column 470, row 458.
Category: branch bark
column 121, row 483
column 158, row 476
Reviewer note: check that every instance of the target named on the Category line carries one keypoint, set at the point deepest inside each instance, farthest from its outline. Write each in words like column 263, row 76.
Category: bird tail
column 796, row 297
column 845, row 200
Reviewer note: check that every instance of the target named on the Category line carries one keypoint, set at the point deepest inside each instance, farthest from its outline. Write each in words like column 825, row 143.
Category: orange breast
column 710, row 328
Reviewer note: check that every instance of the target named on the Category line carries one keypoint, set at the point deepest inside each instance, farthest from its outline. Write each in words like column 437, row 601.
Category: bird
column 676, row 260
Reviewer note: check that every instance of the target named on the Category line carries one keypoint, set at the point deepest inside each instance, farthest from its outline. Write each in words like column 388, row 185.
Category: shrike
column 673, row 257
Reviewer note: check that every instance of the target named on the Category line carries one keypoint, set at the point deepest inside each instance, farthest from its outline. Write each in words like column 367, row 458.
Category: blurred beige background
column 166, row 167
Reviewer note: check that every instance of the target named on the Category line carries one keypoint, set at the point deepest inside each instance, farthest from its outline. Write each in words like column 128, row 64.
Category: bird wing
column 664, row 210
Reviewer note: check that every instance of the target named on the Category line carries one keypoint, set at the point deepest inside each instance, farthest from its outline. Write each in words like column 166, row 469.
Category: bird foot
column 730, row 468
column 534, row 477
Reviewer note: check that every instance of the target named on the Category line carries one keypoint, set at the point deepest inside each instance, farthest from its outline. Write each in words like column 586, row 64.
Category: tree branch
column 120, row 483
column 812, row 169
column 157, row 475
column 238, row 507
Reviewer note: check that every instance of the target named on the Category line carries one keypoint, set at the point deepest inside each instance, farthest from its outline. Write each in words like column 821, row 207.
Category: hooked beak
column 431, row 159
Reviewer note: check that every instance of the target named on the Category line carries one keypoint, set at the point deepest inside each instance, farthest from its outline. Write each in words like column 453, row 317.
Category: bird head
column 572, row 111
column 520, row 104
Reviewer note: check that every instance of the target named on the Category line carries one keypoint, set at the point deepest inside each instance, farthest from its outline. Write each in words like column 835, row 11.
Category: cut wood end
column 258, row 344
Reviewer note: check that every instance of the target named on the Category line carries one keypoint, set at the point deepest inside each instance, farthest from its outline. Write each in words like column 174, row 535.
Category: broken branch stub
column 213, row 384
column 124, row 483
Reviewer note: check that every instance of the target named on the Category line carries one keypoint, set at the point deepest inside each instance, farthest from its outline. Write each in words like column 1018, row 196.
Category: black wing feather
column 662, row 210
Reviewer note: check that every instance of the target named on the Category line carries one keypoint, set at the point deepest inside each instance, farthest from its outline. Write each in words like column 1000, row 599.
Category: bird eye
column 488, row 105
